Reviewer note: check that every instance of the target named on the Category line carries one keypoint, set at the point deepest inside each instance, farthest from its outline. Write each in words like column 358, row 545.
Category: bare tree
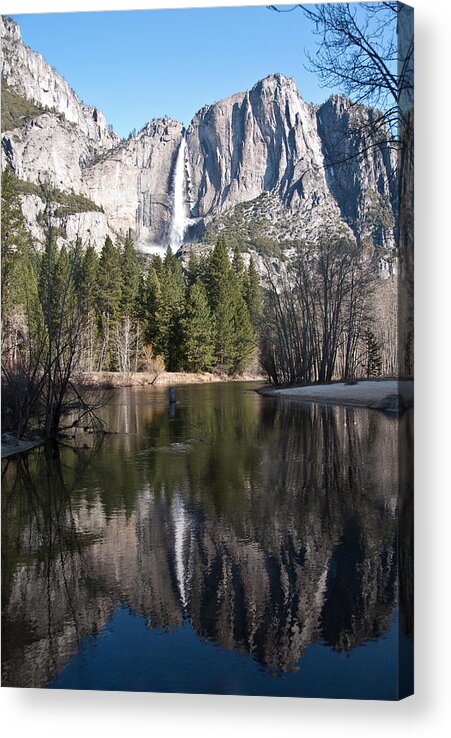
column 318, row 310
column 127, row 344
column 361, row 54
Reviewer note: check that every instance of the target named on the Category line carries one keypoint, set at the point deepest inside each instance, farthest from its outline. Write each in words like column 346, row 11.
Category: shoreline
column 11, row 446
column 388, row 395
column 111, row 380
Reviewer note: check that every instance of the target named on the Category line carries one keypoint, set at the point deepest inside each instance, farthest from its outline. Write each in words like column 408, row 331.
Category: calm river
column 239, row 545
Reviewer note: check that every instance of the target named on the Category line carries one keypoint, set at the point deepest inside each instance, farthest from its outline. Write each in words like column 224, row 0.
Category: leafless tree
column 127, row 344
column 317, row 310
column 365, row 51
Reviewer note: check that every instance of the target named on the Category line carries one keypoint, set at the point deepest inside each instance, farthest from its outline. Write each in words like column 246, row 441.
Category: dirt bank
column 162, row 379
column 389, row 395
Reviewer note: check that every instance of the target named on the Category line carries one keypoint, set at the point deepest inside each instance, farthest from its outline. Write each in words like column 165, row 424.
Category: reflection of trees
column 406, row 528
column 279, row 525
column 47, row 591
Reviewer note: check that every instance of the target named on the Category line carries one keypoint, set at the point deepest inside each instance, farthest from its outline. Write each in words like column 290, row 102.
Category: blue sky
column 138, row 65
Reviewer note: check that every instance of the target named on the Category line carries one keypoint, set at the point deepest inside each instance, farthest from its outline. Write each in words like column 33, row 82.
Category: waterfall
column 179, row 220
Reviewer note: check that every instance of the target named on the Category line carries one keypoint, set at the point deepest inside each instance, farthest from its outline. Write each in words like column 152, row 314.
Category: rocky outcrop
column 89, row 225
column 264, row 140
column 360, row 167
column 133, row 182
column 48, row 149
column 28, row 74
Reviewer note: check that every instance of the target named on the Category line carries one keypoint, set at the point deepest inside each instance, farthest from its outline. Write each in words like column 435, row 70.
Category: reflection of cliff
column 312, row 556
column 275, row 530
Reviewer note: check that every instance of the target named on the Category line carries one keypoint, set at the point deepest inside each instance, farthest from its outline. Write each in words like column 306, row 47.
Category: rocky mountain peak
column 301, row 163
column 276, row 82
column 161, row 127
column 10, row 28
column 29, row 75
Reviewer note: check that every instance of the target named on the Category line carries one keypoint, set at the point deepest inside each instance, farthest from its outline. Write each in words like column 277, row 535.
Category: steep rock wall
column 313, row 166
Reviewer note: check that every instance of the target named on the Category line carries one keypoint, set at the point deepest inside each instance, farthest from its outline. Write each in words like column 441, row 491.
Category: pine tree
column 130, row 278
column 19, row 266
column 109, row 280
column 57, row 347
column 218, row 282
column 48, row 276
column 149, row 308
column 193, row 271
column 234, row 335
column 88, row 296
column 157, row 264
column 374, row 359
column 224, row 322
column 217, row 273
column 170, row 261
column 253, row 294
column 198, row 342
column 88, row 280
column 14, row 239
column 60, row 296
column 243, row 335
column 77, row 255
column 170, row 309
column 108, row 298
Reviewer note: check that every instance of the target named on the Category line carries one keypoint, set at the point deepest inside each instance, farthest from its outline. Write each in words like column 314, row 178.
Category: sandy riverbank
column 389, row 395
column 162, row 379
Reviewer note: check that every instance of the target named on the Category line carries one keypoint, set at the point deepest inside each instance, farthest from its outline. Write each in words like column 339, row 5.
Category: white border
column 35, row 713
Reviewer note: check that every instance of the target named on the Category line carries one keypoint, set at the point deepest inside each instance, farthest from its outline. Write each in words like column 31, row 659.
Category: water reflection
column 269, row 526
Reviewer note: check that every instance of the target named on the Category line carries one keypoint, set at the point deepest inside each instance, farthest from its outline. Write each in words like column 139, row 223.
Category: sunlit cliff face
column 265, row 146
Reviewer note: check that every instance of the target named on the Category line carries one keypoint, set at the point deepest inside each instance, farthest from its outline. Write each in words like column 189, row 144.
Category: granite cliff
column 289, row 166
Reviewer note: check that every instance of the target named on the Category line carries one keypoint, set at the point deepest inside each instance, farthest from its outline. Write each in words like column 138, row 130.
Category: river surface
column 235, row 544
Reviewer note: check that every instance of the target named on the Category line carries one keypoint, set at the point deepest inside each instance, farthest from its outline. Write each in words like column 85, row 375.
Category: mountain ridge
column 263, row 140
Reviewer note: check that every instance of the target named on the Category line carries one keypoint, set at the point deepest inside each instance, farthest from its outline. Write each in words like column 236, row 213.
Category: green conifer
column 170, row 309
column 88, row 297
column 109, row 295
column 243, row 335
column 253, row 294
column 217, row 273
column 88, row 280
column 150, row 303
column 198, row 342
column 18, row 259
column 130, row 278
column 193, row 271
column 239, row 268
column 374, row 359
column 109, row 280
